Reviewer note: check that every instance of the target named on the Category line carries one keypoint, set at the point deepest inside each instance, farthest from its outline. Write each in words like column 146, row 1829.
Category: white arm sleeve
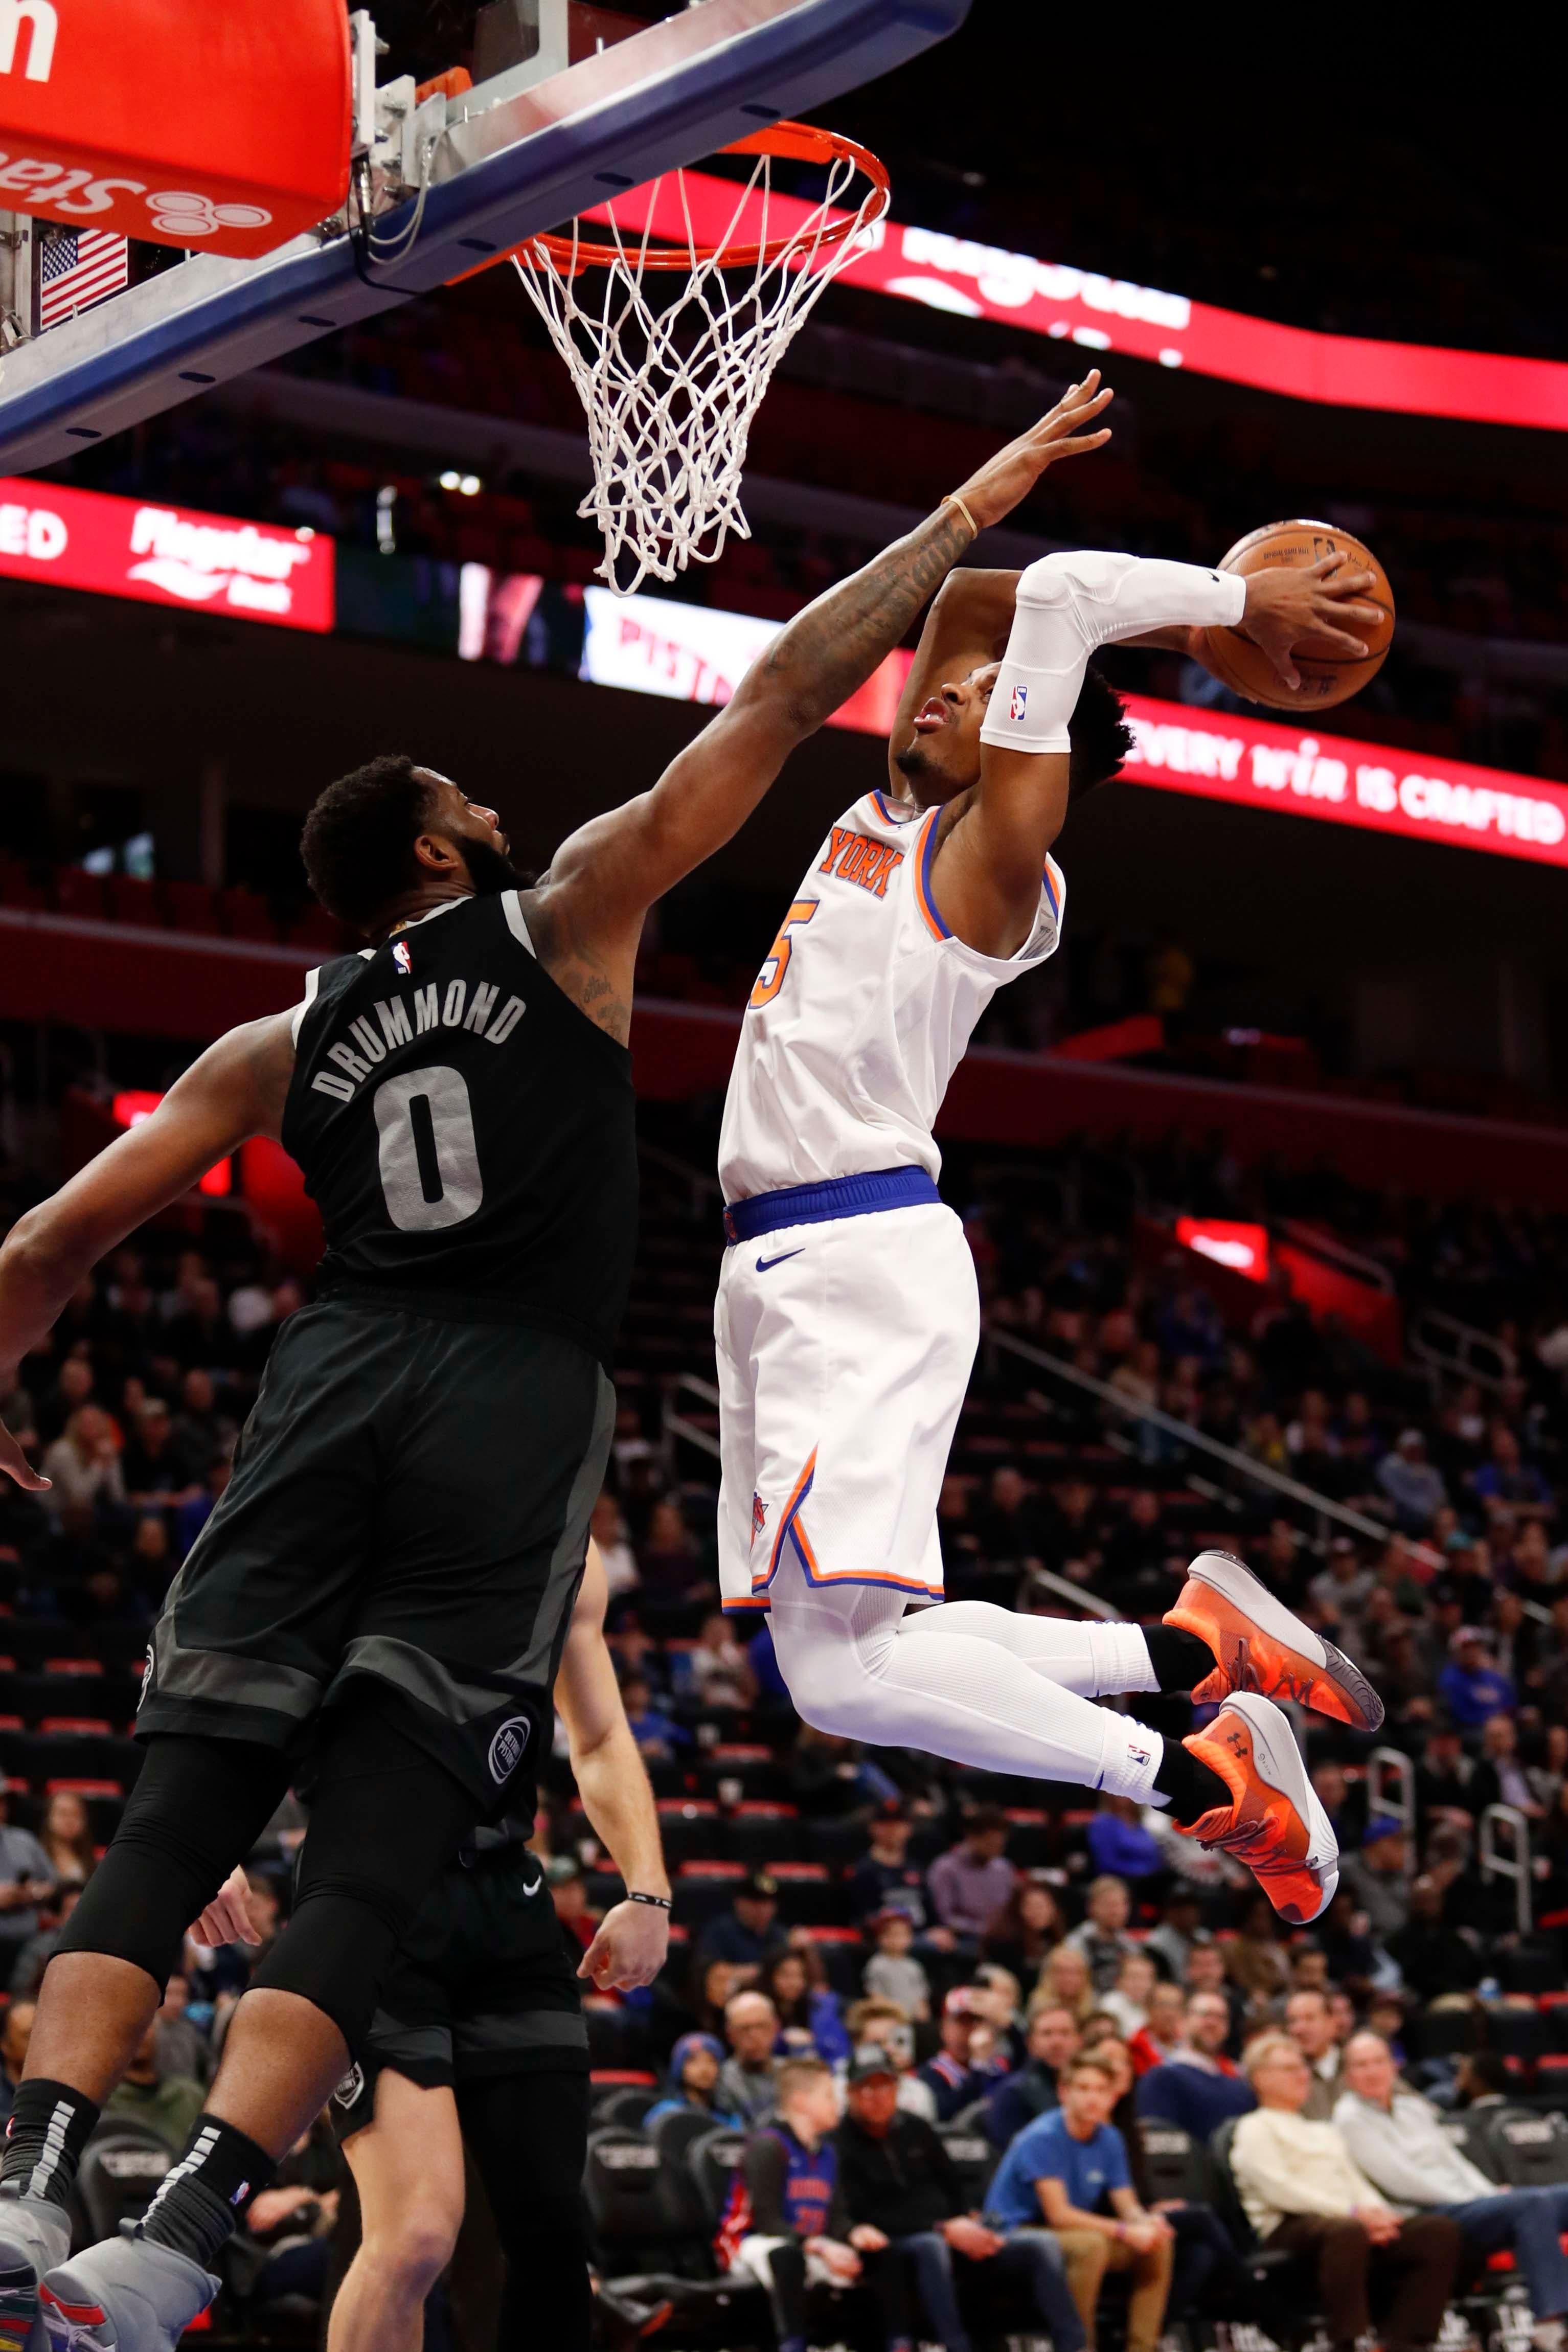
column 1066, row 605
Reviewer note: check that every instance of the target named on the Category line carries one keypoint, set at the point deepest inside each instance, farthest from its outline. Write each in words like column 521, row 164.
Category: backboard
column 520, row 152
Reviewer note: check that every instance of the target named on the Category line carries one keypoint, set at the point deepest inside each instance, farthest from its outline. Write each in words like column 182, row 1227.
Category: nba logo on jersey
column 402, row 957
column 1020, row 702
column 759, row 1515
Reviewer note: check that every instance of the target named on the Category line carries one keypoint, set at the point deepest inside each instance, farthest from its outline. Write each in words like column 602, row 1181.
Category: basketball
column 1326, row 677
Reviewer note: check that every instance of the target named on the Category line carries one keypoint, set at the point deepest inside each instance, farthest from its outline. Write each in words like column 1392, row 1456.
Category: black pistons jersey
column 467, row 1132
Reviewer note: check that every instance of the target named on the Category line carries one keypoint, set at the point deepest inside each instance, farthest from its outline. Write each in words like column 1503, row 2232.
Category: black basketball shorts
column 484, row 1983
column 409, row 1505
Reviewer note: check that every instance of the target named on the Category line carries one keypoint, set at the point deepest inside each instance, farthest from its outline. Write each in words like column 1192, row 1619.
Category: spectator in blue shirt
column 1508, row 1477
column 1412, row 1484
column 1469, row 1685
column 1119, row 1845
column 691, row 2082
column 809, row 2024
column 748, row 1935
column 1069, row 2170
column 657, row 1735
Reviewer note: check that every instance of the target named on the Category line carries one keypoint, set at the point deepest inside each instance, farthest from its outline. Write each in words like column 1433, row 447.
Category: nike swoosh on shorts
column 764, row 1263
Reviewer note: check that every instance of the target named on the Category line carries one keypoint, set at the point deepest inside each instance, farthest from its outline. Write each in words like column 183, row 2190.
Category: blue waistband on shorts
column 817, row 1204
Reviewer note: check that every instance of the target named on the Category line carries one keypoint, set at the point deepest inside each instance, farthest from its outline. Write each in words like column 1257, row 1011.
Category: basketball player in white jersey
column 848, row 1317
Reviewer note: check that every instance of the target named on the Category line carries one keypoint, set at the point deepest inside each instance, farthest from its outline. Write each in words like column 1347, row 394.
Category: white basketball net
column 670, row 390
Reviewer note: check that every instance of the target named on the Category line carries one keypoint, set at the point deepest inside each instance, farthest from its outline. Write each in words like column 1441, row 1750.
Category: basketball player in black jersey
column 387, row 1578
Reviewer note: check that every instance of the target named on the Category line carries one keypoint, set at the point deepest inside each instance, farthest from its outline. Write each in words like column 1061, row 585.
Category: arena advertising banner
column 165, row 555
column 1113, row 314
column 695, row 654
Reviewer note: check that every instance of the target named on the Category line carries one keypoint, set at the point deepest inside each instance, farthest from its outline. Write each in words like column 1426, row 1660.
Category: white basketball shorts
column 844, row 1350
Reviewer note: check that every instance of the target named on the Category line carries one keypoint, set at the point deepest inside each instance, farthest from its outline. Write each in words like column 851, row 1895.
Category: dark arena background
column 1265, row 1173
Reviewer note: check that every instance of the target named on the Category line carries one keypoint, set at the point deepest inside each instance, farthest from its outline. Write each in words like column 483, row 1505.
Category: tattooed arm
column 586, row 913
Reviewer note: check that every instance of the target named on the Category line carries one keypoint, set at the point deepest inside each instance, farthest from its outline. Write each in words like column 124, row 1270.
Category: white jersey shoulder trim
column 517, row 921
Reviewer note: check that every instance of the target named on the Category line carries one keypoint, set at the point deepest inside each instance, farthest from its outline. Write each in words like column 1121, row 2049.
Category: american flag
column 78, row 267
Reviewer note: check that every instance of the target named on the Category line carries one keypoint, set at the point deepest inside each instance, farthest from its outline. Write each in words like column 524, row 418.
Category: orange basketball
column 1327, row 677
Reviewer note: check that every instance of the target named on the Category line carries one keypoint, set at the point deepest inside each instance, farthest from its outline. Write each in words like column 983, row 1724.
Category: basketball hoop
column 670, row 389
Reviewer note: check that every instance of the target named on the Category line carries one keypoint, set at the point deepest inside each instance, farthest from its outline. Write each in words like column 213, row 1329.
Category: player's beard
column 490, row 870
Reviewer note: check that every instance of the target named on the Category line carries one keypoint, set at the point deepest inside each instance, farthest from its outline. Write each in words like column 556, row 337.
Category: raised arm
column 987, row 878
column 613, row 1782
column 602, row 880
column 237, row 1089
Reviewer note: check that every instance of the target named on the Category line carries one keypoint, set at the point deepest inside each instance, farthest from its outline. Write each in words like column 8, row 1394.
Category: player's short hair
column 357, row 842
column 1099, row 734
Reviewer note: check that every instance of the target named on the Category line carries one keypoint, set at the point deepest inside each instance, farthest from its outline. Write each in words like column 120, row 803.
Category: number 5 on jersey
column 775, row 963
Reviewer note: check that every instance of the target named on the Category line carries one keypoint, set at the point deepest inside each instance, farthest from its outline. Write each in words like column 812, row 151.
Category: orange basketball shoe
column 1275, row 1824
column 1260, row 1645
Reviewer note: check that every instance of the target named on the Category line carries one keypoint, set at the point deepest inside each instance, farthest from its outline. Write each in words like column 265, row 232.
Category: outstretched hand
column 16, row 1465
column 1287, row 604
column 995, row 488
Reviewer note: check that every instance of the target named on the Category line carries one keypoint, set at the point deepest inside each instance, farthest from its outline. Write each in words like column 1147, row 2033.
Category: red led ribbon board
column 221, row 128
column 1112, row 314
column 165, row 555
column 1256, row 764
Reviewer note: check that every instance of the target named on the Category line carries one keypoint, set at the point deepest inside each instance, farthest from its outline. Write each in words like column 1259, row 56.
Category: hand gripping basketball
column 1287, row 606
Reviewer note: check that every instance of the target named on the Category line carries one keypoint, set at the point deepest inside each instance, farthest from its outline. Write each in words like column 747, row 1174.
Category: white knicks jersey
column 862, row 1011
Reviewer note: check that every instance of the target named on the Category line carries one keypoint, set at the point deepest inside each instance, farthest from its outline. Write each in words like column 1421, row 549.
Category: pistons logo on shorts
column 351, row 2088
column 759, row 1516
column 506, row 1748
column 1020, row 702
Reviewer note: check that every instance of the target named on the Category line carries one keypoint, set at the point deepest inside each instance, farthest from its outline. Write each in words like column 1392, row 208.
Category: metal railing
column 1495, row 1864
column 1382, row 1764
column 1447, row 1348
column 1324, row 1507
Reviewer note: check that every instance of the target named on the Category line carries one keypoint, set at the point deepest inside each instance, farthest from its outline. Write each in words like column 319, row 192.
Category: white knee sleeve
column 1069, row 603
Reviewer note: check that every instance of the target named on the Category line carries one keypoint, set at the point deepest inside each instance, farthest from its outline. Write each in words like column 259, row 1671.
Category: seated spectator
column 183, row 2047
column 1065, row 1979
column 1309, row 2024
column 14, row 2035
column 809, row 2024
column 608, row 1529
column 1499, row 1777
column 1377, row 1880
column 893, row 1970
column 658, row 1736
column 1069, row 2168
column 1469, row 1685
column 28, row 1970
column 168, row 2103
column 1162, row 2030
column 900, row 2191
column 1180, row 1931
column 887, row 1880
column 1024, row 1930
column 1255, row 1957
column 745, row 2079
column 83, row 1466
column 672, row 1567
column 568, row 1893
column 157, row 1473
column 1412, row 1484
column 1009, row 1522
column 783, row 2224
column 1128, row 1998
column 1508, row 1477
column 1303, row 2194
column 948, row 2076
column 1443, row 1776
column 200, row 1431
column 193, row 1514
column 970, row 1882
column 1198, row 2088
column 1481, row 2080
column 1433, row 1956
column 748, row 1934
column 1119, row 1845
column 1395, row 2139
column 66, row 1835
column 720, row 1671
column 1102, row 1935
column 1030, row 2089
column 26, row 1881
column 691, row 2081
column 887, row 2025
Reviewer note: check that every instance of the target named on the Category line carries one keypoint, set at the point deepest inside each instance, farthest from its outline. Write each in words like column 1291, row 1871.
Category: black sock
column 44, row 2139
column 200, row 2200
column 1192, row 1786
column 1181, row 1660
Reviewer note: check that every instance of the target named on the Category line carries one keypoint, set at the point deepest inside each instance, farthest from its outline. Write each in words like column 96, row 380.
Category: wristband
column 654, row 1901
column 953, row 500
